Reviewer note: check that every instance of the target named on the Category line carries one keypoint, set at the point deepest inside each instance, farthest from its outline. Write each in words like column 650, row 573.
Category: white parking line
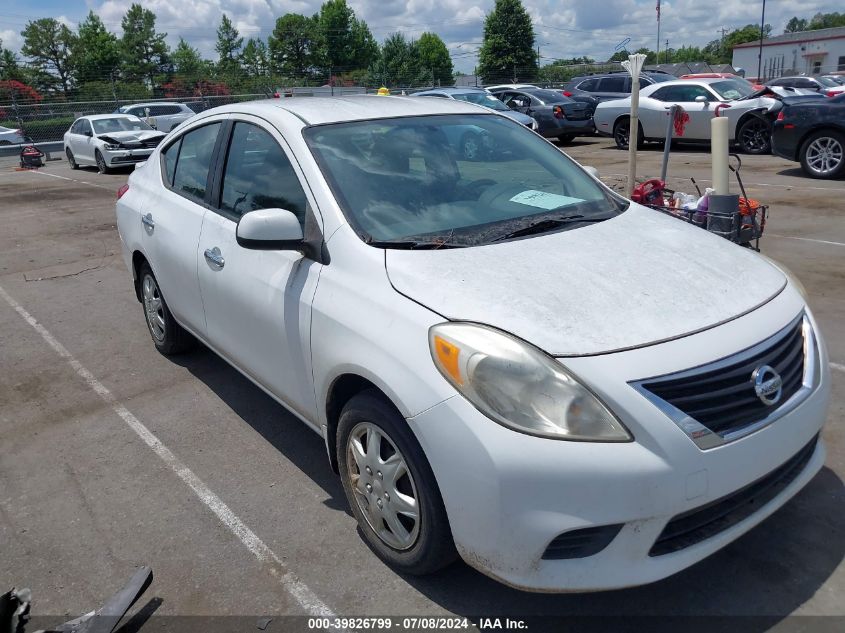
column 837, row 367
column 805, row 239
column 82, row 182
column 289, row 581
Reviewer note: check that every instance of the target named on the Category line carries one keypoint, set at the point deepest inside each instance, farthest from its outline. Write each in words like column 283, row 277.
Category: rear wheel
column 823, row 154
column 391, row 488
column 168, row 336
column 754, row 136
column 101, row 163
column 71, row 161
column 622, row 134
column 566, row 138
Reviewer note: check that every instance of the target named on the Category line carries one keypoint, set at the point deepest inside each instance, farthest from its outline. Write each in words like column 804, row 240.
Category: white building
column 803, row 53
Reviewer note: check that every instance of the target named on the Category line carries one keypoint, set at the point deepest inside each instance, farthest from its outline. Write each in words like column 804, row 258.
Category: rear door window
column 258, row 175
column 613, row 84
column 196, row 149
column 589, row 85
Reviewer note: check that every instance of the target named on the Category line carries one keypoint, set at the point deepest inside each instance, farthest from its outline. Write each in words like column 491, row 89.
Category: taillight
column 123, row 189
column 781, row 115
column 558, row 112
column 831, row 93
column 566, row 93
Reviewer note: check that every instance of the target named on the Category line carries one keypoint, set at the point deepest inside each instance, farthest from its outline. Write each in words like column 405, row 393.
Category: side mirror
column 701, row 99
column 269, row 230
column 88, row 133
column 592, row 171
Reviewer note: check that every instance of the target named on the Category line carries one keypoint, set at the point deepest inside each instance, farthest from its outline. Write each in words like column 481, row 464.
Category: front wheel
column 71, row 161
column 823, row 154
column 101, row 163
column 754, row 136
column 622, row 134
column 391, row 488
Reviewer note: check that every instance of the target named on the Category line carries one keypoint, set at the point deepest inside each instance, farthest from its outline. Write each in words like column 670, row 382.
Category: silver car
column 482, row 97
column 163, row 116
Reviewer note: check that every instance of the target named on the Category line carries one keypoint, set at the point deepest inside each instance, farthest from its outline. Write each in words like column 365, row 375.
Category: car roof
column 320, row 110
column 146, row 104
column 456, row 89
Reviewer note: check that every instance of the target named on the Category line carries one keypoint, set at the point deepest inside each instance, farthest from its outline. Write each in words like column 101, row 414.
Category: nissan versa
column 507, row 361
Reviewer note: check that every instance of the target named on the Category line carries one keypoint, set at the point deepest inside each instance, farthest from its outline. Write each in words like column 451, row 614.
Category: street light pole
column 760, row 51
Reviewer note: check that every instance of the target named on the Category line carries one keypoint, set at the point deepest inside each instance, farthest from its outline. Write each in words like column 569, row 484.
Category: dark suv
column 613, row 85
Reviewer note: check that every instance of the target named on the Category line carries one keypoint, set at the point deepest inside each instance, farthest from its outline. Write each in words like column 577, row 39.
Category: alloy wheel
column 70, row 159
column 824, row 155
column 101, row 163
column 383, row 485
column 623, row 133
column 153, row 308
column 755, row 137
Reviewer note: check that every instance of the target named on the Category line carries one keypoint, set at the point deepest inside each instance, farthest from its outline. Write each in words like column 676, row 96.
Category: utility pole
column 762, row 33
column 666, row 52
column 657, row 52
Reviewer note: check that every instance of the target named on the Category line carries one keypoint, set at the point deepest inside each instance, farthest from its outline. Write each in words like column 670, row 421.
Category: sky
column 563, row 28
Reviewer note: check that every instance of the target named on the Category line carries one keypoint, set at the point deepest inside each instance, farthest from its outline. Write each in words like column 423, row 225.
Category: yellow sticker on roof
column 543, row 200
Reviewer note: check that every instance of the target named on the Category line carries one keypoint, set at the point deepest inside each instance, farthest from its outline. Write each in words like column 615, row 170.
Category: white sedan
column 11, row 136
column 749, row 127
column 109, row 140
column 506, row 360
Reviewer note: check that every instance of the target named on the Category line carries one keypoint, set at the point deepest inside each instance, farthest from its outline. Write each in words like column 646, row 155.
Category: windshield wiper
column 544, row 225
column 412, row 244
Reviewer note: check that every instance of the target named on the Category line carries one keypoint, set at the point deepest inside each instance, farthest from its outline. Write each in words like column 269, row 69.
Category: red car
column 721, row 75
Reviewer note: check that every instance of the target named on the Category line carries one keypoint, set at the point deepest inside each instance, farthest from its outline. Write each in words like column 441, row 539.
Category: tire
column 822, row 155
column 472, row 147
column 71, row 161
column 566, row 138
column 416, row 547
column 168, row 336
column 755, row 136
column 101, row 163
column 621, row 133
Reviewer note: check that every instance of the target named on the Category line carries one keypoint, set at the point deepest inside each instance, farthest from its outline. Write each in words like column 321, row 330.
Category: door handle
column 214, row 257
column 148, row 222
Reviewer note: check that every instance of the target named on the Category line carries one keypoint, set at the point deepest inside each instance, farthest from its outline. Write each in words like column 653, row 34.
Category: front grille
column 723, row 399
column 152, row 142
column 129, row 159
column 581, row 543
column 702, row 523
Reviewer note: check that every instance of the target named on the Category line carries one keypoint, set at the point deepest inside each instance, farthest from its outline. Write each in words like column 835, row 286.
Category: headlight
column 788, row 274
column 519, row 386
column 111, row 146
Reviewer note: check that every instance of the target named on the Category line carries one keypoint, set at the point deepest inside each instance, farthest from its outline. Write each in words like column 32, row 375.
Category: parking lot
column 114, row 456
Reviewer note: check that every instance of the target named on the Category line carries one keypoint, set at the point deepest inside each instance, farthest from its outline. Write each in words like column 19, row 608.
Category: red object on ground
column 649, row 192
column 680, row 121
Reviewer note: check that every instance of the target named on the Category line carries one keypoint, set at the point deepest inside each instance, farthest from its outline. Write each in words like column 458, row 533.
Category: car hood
column 129, row 136
column 635, row 280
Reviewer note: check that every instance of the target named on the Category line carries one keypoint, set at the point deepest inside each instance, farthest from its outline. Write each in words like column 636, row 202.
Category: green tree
column 97, row 51
column 49, row 44
column 188, row 64
column 254, row 58
column 294, row 46
column 795, row 25
column 363, row 46
column 826, row 21
column 398, row 63
column 229, row 43
column 434, row 57
column 10, row 69
column 144, row 51
column 347, row 43
column 508, row 48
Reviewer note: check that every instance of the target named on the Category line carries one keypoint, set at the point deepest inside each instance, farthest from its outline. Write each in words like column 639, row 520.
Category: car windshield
column 119, row 124
column 413, row 180
column 732, row 88
column 481, row 98
column 547, row 96
column 827, row 82
column 660, row 77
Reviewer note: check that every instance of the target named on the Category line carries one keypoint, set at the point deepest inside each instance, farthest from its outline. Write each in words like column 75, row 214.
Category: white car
column 506, row 360
column 749, row 127
column 10, row 136
column 109, row 140
column 163, row 115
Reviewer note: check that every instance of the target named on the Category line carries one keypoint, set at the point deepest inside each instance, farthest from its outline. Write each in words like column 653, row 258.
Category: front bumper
column 563, row 127
column 509, row 495
column 125, row 156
